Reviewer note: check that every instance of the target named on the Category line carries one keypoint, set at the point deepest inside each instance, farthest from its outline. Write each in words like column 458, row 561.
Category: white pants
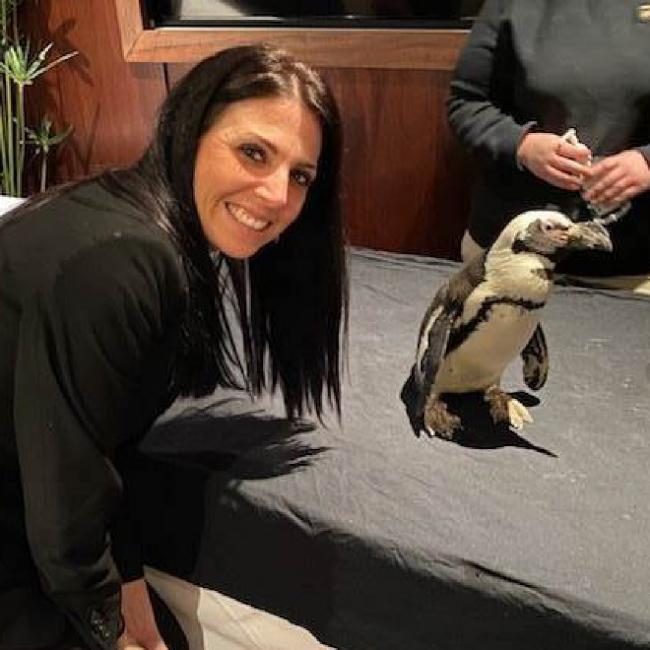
column 212, row 621
column 469, row 248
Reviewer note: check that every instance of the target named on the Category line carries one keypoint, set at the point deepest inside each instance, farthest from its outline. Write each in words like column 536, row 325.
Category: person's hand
column 615, row 179
column 140, row 629
column 554, row 160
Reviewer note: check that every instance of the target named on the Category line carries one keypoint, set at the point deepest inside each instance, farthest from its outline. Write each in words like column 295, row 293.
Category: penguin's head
column 548, row 232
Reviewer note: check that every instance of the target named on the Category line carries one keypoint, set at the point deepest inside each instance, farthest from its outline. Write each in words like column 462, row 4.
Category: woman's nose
column 275, row 187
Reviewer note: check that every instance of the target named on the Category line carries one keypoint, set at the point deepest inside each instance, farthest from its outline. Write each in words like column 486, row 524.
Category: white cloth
column 212, row 621
column 8, row 202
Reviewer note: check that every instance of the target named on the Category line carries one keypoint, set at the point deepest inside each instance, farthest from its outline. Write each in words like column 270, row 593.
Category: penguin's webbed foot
column 438, row 420
column 505, row 408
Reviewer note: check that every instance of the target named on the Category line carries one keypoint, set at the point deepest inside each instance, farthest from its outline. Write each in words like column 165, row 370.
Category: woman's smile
column 242, row 216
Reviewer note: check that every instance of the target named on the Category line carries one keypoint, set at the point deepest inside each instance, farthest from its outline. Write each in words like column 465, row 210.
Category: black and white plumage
column 486, row 315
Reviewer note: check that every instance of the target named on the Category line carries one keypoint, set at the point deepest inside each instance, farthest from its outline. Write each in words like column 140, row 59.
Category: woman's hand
column 140, row 629
column 615, row 179
column 554, row 160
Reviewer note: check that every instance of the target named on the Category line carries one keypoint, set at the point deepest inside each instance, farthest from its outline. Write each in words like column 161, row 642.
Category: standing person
column 123, row 291
column 530, row 71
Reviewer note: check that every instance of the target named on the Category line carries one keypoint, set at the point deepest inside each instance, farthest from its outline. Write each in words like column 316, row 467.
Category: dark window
column 314, row 13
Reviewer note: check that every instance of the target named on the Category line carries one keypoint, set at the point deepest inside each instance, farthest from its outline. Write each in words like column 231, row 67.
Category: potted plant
column 20, row 67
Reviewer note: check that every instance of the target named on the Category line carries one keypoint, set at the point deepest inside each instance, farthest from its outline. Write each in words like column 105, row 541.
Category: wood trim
column 412, row 49
column 130, row 24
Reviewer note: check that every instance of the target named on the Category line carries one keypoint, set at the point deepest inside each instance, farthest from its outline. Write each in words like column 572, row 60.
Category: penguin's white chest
column 479, row 361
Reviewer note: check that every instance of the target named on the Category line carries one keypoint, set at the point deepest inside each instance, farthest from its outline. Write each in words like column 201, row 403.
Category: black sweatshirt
column 555, row 64
column 92, row 294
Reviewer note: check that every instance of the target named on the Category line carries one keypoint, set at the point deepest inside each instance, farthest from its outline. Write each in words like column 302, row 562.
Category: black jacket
column 92, row 295
column 554, row 64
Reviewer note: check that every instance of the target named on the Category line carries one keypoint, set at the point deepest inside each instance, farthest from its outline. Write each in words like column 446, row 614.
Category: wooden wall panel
column 411, row 49
column 406, row 180
column 111, row 104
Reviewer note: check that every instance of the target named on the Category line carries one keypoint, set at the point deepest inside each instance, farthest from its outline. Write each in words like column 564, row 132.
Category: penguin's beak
column 588, row 235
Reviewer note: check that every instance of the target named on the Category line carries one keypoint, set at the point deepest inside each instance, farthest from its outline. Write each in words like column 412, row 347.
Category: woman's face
column 253, row 168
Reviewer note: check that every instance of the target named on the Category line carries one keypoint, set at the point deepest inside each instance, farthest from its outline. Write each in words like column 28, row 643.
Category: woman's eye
column 253, row 152
column 301, row 178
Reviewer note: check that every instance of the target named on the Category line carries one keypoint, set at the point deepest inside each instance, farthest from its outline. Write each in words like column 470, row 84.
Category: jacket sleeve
column 475, row 110
column 85, row 342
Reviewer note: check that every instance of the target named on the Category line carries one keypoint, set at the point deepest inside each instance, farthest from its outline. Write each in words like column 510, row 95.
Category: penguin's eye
column 550, row 226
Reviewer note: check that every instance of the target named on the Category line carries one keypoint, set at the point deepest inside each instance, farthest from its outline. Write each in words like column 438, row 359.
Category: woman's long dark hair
column 291, row 297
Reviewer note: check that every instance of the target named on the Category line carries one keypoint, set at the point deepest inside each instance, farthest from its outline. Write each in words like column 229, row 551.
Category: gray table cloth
column 376, row 539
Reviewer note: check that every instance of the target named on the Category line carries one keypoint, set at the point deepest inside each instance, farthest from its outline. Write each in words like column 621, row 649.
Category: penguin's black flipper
column 535, row 356
column 432, row 343
column 410, row 397
column 434, row 336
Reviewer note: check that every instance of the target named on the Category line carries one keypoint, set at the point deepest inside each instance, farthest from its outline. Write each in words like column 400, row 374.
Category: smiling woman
column 253, row 169
column 116, row 296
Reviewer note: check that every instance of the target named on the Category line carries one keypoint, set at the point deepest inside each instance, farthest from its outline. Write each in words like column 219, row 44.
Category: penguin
column 486, row 315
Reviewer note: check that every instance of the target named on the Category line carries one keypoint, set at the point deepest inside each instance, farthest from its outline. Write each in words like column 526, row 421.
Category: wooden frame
column 412, row 49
